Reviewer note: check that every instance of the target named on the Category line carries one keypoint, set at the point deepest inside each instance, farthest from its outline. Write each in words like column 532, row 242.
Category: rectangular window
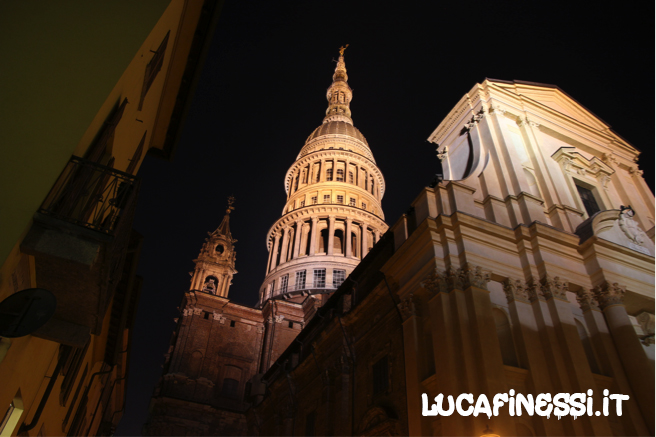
column 340, row 199
column 364, row 205
column 232, row 323
column 319, row 278
column 314, row 200
column 380, row 371
column 300, row 280
column 290, row 325
column 340, row 175
column 283, row 283
column 329, row 174
column 338, row 277
column 10, row 410
column 351, row 177
column 310, row 421
column 589, row 201
column 71, row 369
column 326, row 198
column 352, row 201
column 272, row 287
column 229, row 388
column 302, row 203
column 153, row 67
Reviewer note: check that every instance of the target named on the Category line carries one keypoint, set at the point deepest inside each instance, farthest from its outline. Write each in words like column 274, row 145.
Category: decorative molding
column 534, row 291
column 608, row 294
column 635, row 171
column 587, row 300
column 461, row 279
column 408, row 308
column 497, row 110
column 474, row 276
column 443, row 154
column 219, row 317
column 609, row 159
column 473, row 121
column 554, row 288
column 515, row 289
column 279, row 318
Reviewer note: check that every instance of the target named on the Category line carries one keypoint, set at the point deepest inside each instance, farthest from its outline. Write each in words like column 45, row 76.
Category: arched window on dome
column 350, row 177
column 296, row 183
column 338, row 242
column 340, row 175
column 323, row 241
column 304, row 179
column 329, row 174
column 371, row 183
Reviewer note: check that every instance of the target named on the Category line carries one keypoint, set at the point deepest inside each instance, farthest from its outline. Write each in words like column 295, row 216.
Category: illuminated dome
column 337, row 128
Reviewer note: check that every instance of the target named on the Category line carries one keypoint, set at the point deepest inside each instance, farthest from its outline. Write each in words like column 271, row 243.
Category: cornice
column 323, row 211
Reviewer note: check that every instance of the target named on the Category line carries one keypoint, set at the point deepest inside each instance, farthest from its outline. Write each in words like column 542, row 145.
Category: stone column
column 331, row 235
column 220, row 284
column 274, row 258
column 609, row 362
column 636, row 364
column 226, row 286
column 530, row 352
column 377, row 235
column 578, row 370
column 412, row 350
column 322, row 171
column 283, row 248
column 313, row 236
column 365, row 248
column 270, row 257
column 297, row 239
column 349, row 249
column 347, row 166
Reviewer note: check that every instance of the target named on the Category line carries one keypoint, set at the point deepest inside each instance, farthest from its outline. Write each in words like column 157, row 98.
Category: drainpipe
column 86, row 391
column 60, row 363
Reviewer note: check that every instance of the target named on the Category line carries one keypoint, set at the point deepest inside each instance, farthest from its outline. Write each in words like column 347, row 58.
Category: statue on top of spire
column 341, row 50
column 231, row 200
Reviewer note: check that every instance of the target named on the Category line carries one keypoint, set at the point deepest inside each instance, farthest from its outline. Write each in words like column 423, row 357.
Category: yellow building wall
column 72, row 64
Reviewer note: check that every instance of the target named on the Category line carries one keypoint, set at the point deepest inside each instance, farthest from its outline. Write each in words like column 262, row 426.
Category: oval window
column 219, row 248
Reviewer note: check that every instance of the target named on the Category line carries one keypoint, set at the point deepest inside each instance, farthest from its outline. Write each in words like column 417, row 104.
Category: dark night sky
column 262, row 92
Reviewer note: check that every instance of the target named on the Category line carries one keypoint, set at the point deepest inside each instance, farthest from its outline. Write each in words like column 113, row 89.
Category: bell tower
column 215, row 264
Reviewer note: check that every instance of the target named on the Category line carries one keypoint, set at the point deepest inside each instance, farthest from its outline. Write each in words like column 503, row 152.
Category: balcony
column 291, row 291
column 79, row 238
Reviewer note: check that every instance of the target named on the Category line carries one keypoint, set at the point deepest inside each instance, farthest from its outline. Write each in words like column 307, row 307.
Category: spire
column 339, row 94
column 224, row 227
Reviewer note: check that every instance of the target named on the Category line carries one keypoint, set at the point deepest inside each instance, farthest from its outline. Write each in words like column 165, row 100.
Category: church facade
column 528, row 269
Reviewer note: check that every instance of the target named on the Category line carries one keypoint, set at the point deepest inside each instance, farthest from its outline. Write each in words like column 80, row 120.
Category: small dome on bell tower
column 215, row 265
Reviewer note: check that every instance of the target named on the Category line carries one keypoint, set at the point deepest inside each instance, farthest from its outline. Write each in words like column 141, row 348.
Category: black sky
column 262, row 92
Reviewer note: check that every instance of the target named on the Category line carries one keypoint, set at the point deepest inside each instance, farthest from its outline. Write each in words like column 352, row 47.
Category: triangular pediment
column 555, row 99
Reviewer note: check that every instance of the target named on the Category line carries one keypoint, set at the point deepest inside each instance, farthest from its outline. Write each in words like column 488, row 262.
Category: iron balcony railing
column 91, row 195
